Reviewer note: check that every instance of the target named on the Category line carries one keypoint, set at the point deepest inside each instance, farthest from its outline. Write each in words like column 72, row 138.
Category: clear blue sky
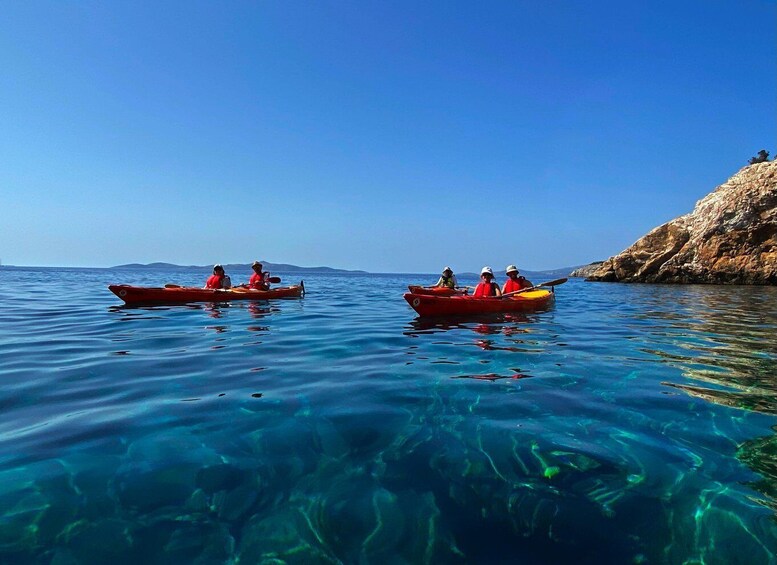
column 385, row 136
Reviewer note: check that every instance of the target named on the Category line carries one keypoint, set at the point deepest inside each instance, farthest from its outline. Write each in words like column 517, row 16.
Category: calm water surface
column 627, row 424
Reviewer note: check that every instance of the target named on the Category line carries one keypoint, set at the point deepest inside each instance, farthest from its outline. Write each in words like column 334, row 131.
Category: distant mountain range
column 284, row 267
column 237, row 267
column 550, row 273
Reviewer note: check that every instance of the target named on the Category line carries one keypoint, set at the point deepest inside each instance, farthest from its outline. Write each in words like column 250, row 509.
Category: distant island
column 531, row 275
column 236, row 267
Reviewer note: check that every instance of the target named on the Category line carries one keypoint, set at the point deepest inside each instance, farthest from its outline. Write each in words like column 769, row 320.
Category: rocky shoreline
column 586, row 270
column 729, row 238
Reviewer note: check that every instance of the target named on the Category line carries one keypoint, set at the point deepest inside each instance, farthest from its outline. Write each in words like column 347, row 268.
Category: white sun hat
column 511, row 269
column 486, row 270
column 446, row 269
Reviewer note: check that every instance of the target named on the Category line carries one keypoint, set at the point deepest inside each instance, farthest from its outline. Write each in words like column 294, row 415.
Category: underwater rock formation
column 729, row 238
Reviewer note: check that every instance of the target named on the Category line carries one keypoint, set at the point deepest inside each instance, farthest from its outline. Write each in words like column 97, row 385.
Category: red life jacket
column 214, row 281
column 512, row 285
column 259, row 281
column 485, row 289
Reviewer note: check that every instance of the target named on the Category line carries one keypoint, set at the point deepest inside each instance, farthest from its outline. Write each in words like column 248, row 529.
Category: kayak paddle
column 171, row 285
column 536, row 286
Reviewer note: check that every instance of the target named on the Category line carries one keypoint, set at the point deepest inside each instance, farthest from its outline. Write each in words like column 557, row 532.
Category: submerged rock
column 222, row 476
column 283, row 536
column 104, row 541
column 729, row 238
column 200, row 543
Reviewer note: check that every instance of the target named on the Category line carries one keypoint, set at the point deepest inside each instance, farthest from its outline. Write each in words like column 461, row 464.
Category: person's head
column 512, row 271
column 257, row 266
column 447, row 272
column 486, row 274
column 218, row 269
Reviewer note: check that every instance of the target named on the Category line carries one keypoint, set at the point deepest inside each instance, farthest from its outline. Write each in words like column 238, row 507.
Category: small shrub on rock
column 763, row 156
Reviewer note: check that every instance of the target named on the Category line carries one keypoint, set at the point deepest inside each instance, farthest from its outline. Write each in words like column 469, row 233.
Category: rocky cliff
column 729, row 238
column 586, row 270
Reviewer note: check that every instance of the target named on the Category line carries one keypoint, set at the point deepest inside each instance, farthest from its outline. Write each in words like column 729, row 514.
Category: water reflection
column 514, row 333
column 260, row 310
column 760, row 454
column 493, row 376
column 213, row 309
column 476, row 323
column 725, row 340
column 724, row 337
column 746, row 400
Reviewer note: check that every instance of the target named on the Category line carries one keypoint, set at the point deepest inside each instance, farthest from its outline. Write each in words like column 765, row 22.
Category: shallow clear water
column 627, row 424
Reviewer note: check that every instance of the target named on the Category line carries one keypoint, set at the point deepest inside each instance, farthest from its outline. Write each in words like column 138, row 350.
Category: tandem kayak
column 181, row 294
column 427, row 305
column 435, row 290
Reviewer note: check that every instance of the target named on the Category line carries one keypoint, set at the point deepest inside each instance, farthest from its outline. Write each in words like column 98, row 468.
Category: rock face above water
column 729, row 238
column 586, row 270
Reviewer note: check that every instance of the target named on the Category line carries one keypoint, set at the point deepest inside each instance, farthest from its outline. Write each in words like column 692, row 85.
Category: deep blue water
column 627, row 424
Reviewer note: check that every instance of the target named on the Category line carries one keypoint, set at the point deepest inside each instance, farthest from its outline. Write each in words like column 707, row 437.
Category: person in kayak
column 219, row 279
column 448, row 279
column 260, row 280
column 514, row 282
column 487, row 287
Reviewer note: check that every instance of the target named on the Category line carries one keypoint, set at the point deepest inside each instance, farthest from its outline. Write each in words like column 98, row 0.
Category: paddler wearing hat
column 259, row 280
column 219, row 279
column 448, row 279
column 514, row 282
column 487, row 287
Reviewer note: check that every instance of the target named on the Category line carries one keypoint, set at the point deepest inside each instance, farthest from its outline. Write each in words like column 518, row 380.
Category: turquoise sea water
column 626, row 424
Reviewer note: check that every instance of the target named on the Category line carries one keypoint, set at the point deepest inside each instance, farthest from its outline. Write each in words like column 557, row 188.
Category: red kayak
column 427, row 305
column 435, row 290
column 181, row 294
